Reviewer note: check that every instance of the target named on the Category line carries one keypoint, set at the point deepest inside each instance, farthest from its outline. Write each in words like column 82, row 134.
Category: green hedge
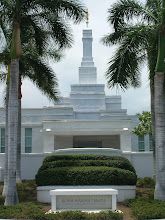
column 30, row 210
column 85, row 176
column 146, row 182
column 119, row 163
column 147, row 208
column 2, row 200
column 82, row 157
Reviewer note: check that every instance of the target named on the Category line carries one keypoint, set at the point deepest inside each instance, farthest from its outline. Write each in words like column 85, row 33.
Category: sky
column 134, row 100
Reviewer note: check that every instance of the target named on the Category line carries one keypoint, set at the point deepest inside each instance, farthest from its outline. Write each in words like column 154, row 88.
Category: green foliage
column 27, row 191
column 30, row 210
column 78, row 215
column 26, row 210
column 146, row 182
column 137, row 41
column 36, row 37
column 85, row 176
column 86, row 170
column 147, row 208
column 144, row 126
column 2, row 199
column 82, row 157
column 123, row 164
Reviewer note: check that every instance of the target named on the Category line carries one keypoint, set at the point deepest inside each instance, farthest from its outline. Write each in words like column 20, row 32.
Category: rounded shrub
column 118, row 163
column 82, row 157
column 86, row 170
column 85, row 176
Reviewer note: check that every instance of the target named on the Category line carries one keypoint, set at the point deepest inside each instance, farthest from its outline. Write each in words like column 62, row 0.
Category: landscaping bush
column 146, row 182
column 27, row 190
column 147, row 208
column 85, row 176
column 78, row 215
column 30, row 210
column 21, row 211
column 123, row 164
column 82, row 157
column 2, row 200
column 86, row 170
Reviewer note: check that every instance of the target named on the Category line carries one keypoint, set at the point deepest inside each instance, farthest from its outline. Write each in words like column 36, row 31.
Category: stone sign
column 83, row 199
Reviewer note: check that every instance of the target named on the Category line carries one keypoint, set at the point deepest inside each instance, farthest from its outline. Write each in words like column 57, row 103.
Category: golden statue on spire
column 87, row 17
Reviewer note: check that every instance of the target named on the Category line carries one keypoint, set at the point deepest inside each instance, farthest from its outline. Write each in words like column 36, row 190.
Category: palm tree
column 32, row 66
column 160, row 111
column 45, row 21
column 136, row 30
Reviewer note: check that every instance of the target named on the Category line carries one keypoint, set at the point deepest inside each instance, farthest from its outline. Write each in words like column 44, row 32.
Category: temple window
column 2, row 140
column 28, row 140
column 141, row 143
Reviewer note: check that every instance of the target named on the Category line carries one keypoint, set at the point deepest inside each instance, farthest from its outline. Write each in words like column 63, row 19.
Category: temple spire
column 87, row 17
column 87, row 71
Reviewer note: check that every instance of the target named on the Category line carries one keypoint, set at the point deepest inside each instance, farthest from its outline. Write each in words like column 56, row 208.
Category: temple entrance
column 86, row 141
column 102, row 141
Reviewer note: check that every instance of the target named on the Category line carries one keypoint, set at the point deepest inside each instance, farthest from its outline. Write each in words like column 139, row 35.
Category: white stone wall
column 143, row 163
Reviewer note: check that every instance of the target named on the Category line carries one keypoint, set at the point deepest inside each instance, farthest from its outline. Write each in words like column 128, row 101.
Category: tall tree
column 47, row 22
column 34, row 67
column 160, row 110
column 137, row 28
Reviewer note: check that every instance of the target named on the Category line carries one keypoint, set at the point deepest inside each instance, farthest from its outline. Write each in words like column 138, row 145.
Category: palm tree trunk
column 18, row 166
column 11, row 195
column 6, row 142
column 153, row 126
column 160, row 135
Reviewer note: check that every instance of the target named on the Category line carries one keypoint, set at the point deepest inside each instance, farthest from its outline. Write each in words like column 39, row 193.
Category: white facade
column 86, row 121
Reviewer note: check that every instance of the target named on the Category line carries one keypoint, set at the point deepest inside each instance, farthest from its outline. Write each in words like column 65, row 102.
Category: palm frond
column 125, row 10
column 3, row 76
column 155, row 7
column 72, row 9
column 124, row 68
column 54, row 54
column 32, row 31
column 113, row 38
column 141, row 30
column 4, row 57
column 40, row 74
column 60, row 31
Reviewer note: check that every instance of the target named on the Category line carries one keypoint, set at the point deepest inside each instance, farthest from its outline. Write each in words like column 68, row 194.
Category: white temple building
column 87, row 121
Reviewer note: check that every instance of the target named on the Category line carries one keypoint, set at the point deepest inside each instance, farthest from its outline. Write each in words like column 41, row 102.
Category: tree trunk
column 160, row 136
column 11, row 195
column 18, row 167
column 153, row 126
column 6, row 143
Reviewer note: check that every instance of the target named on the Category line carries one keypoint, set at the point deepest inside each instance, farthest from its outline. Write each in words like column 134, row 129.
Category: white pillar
column 54, row 208
column 125, row 141
column 114, row 201
column 48, row 142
